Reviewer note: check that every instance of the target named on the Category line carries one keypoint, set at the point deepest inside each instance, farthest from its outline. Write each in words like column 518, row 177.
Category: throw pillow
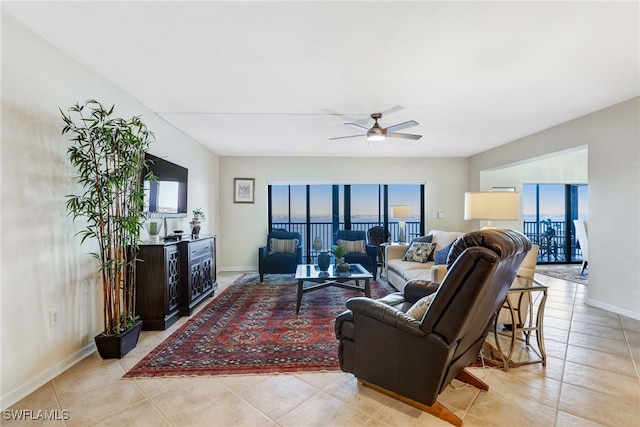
column 283, row 246
column 353, row 245
column 419, row 252
column 423, row 239
column 440, row 256
column 421, row 306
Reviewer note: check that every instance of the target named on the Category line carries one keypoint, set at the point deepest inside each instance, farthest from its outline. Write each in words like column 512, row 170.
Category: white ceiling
column 266, row 78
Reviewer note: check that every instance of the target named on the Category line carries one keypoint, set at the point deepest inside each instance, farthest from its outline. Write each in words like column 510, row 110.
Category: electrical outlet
column 54, row 317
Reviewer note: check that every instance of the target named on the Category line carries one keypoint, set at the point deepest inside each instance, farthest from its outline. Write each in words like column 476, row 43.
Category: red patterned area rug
column 253, row 328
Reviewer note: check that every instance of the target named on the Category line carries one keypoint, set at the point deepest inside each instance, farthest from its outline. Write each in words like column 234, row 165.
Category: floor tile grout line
column 58, row 402
column 564, row 362
column 636, row 366
column 152, row 402
column 250, row 404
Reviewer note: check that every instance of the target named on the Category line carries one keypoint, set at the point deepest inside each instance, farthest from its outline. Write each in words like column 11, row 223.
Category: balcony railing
column 556, row 245
column 550, row 236
column 324, row 230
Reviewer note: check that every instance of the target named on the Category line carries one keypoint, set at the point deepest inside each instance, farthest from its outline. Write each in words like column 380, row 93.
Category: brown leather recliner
column 414, row 360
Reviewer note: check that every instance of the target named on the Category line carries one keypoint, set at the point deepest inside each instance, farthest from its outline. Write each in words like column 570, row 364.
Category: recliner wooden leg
column 436, row 409
column 467, row 377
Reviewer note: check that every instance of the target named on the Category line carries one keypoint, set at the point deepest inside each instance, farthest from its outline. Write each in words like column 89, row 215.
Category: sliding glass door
column 321, row 210
column 549, row 211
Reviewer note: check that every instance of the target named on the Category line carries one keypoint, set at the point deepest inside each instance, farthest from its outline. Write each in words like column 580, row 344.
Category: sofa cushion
column 353, row 245
column 421, row 306
column 419, row 252
column 422, row 274
column 283, row 246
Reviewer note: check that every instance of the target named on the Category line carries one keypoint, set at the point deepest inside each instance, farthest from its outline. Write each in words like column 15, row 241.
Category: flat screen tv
column 167, row 195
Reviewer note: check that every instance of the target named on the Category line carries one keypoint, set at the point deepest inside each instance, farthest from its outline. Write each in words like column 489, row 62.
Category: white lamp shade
column 492, row 205
column 402, row 211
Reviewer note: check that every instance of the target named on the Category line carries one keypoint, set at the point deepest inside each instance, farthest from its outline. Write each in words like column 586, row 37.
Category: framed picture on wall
column 243, row 190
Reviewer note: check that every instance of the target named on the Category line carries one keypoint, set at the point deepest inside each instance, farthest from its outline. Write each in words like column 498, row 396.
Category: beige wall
column 245, row 225
column 43, row 265
column 612, row 136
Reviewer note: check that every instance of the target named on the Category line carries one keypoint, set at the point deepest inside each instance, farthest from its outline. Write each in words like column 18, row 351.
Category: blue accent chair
column 368, row 260
column 279, row 263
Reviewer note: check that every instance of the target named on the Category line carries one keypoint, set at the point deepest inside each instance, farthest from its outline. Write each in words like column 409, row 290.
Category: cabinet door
column 206, row 270
column 195, row 280
column 200, row 269
column 172, row 263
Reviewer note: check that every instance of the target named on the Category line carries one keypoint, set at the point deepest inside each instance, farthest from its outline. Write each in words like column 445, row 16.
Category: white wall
column 43, row 265
column 612, row 136
column 245, row 225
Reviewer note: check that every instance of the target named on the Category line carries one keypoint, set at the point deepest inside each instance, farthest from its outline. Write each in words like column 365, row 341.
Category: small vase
column 324, row 259
column 317, row 244
column 153, row 227
column 195, row 228
column 342, row 266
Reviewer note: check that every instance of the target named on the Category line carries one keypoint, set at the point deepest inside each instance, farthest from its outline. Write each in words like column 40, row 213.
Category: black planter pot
column 116, row 346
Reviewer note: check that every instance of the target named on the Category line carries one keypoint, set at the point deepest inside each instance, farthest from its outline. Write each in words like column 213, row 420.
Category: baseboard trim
column 34, row 383
column 612, row 308
column 239, row 269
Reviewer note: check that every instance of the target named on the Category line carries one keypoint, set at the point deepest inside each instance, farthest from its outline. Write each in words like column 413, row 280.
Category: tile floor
column 591, row 378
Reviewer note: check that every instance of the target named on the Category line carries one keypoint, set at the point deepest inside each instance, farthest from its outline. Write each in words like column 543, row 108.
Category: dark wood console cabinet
column 199, row 264
column 172, row 278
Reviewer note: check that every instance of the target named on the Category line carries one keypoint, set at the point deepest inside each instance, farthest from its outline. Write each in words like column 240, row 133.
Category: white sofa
column 399, row 271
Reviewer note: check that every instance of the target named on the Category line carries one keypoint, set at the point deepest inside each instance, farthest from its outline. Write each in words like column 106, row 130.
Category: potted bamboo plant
column 108, row 154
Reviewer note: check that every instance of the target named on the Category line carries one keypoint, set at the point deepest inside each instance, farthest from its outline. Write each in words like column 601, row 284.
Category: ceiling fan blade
column 404, row 125
column 403, row 135
column 355, row 125
column 345, row 117
column 350, row 136
column 392, row 110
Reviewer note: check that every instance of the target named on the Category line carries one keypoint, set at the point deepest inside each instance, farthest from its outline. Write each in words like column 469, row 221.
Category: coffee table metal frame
column 331, row 277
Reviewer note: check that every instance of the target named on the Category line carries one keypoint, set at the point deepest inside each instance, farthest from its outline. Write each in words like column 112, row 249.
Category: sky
column 364, row 200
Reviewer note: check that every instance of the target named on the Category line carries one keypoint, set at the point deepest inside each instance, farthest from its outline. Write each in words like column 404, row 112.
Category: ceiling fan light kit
column 378, row 133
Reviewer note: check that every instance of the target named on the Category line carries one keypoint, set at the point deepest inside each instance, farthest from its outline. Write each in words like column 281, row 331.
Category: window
column 549, row 211
column 320, row 210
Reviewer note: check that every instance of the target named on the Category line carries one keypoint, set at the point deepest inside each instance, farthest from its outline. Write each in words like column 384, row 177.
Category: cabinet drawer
column 199, row 249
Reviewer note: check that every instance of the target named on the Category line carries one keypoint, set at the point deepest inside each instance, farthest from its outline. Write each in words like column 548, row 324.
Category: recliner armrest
column 345, row 316
column 385, row 314
column 416, row 289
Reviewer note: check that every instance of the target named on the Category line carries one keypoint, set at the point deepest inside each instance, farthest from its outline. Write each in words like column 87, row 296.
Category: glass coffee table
column 331, row 277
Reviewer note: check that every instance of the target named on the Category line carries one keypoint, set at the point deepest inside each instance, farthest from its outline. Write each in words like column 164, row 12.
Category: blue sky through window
column 365, row 199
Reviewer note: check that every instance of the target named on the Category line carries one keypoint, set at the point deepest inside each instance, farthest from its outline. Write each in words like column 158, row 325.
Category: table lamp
column 401, row 212
column 491, row 206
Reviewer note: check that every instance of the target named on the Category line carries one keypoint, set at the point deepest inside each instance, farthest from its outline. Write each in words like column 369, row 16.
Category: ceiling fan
column 378, row 133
